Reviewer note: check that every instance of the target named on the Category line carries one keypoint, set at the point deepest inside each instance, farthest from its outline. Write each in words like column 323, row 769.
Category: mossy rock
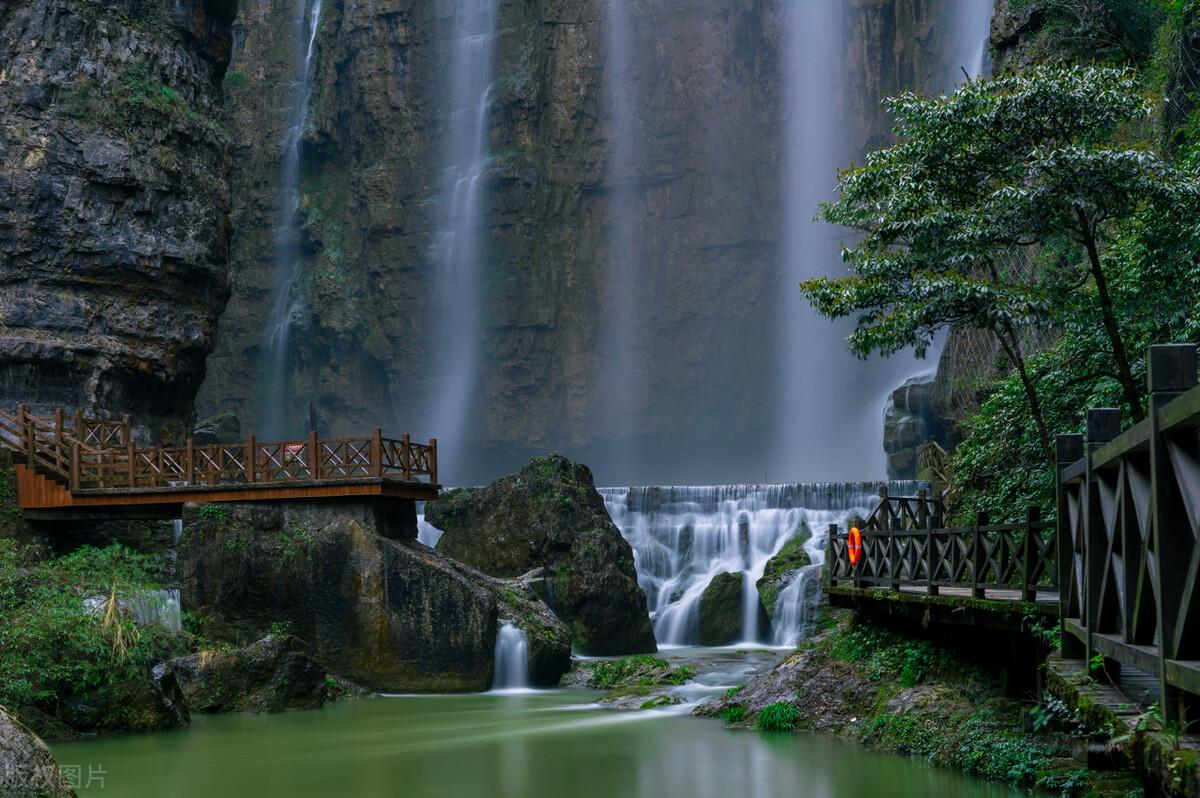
column 792, row 557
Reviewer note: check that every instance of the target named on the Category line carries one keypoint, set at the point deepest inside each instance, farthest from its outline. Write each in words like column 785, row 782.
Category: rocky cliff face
column 703, row 177
column 391, row 615
column 113, row 201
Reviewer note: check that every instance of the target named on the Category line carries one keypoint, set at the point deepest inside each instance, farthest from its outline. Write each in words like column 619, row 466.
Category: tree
column 999, row 174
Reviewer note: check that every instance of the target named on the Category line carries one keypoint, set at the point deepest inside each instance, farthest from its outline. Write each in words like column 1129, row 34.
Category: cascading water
column 458, row 252
column 145, row 607
column 512, row 658
column 682, row 537
column 274, row 363
column 622, row 268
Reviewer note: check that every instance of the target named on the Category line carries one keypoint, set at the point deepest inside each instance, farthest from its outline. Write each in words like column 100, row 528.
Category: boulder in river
column 791, row 557
column 721, row 615
column 391, row 615
column 274, row 674
column 27, row 768
column 550, row 516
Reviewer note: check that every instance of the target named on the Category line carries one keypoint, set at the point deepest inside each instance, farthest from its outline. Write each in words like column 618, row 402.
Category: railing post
column 406, row 457
column 377, row 453
column 978, row 559
column 433, row 463
column 1170, row 371
column 129, row 452
column 931, row 559
column 22, row 428
column 77, row 429
column 1103, row 424
column 1033, row 515
column 830, row 565
column 126, row 429
column 74, row 465
column 59, row 421
column 189, row 463
column 922, row 509
column 314, row 455
column 31, row 443
column 893, row 558
column 250, row 461
column 1068, row 451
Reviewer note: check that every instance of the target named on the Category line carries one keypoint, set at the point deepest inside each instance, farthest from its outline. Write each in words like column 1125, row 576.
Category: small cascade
column 426, row 533
column 145, row 607
column 274, row 365
column 796, row 607
column 512, row 658
column 682, row 537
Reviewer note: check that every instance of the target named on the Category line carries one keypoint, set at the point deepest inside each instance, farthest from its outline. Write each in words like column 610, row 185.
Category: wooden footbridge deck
column 1118, row 570
column 72, row 466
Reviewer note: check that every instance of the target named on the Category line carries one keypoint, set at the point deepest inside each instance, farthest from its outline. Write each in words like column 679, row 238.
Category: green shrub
column 50, row 646
column 212, row 512
column 734, row 714
column 235, row 78
column 732, row 691
column 642, row 668
column 780, row 716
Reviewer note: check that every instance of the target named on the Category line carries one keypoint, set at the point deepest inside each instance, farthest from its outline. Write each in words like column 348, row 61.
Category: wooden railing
column 902, row 512
column 981, row 557
column 1129, row 534
column 81, row 454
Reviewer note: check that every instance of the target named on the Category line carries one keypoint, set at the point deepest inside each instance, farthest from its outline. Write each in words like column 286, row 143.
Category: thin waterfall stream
column 274, row 358
column 458, row 249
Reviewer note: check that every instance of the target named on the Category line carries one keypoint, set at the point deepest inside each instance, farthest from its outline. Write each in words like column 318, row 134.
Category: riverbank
column 903, row 695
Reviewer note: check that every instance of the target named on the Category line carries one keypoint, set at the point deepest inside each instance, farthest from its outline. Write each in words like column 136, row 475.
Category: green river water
column 548, row 744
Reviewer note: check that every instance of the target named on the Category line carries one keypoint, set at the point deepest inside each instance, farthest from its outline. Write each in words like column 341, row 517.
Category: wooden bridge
column 1119, row 569
column 72, row 466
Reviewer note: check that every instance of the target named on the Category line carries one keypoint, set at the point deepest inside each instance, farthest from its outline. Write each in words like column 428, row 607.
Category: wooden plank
column 1184, row 674
column 1144, row 658
column 36, row 492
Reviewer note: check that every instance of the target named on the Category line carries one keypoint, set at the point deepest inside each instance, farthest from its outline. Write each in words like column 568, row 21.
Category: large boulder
column 550, row 516
column 150, row 703
column 27, row 768
column 391, row 615
column 721, row 610
column 791, row 557
column 274, row 674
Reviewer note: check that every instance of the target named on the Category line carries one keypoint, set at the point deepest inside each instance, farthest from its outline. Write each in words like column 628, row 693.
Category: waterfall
column 145, row 607
column 512, row 658
column 682, row 537
column 272, row 417
column 832, row 421
column 619, row 379
column 427, row 533
column 458, row 251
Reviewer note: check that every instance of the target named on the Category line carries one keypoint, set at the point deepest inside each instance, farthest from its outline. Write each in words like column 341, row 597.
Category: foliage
column 888, row 655
column 235, row 78
column 50, row 646
column 780, row 716
column 733, row 714
column 137, row 100
column 642, row 670
column 732, row 691
column 212, row 512
column 1003, row 207
column 977, row 744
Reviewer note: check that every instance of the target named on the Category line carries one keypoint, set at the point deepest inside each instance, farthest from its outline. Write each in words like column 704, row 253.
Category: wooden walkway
column 71, row 466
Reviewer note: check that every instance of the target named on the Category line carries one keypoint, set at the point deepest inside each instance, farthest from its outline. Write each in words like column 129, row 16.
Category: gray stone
column 550, row 516
column 27, row 768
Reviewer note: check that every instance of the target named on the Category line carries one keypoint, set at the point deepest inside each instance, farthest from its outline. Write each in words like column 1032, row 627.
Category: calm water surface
column 549, row 744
